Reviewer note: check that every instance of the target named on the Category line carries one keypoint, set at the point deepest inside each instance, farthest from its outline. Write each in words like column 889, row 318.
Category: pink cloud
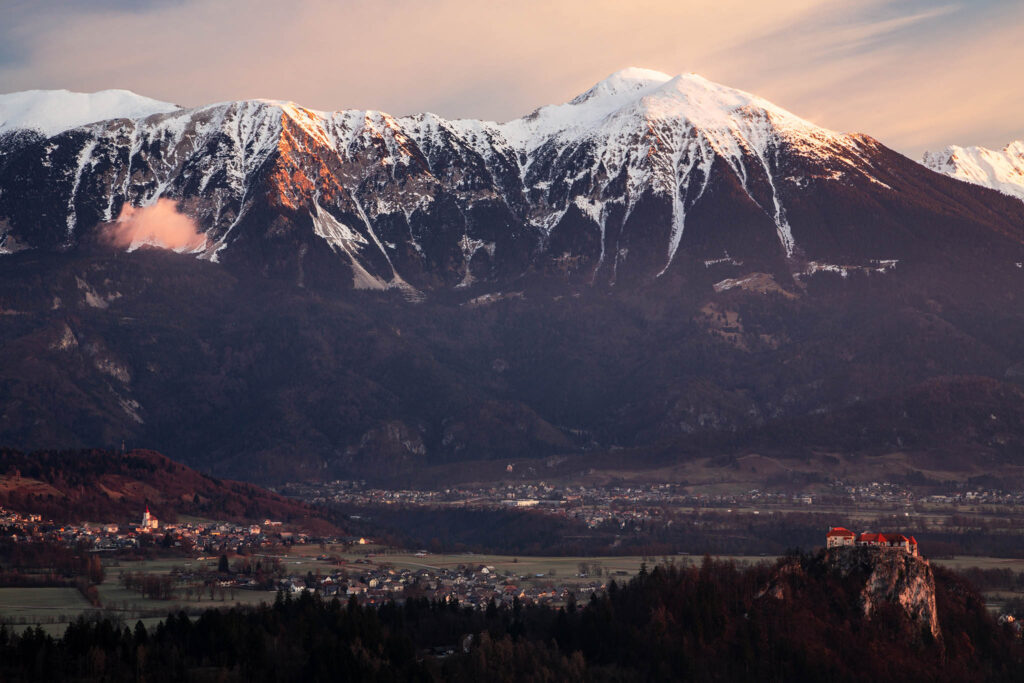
column 159, row 225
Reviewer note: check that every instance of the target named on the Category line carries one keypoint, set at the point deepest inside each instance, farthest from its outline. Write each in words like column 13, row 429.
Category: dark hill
column 256, row 379
column 96, row 485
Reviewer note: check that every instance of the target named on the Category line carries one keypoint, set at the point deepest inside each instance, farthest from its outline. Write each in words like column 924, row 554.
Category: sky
column 916, row 75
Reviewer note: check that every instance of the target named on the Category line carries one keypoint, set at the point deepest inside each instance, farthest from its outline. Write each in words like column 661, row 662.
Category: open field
column 53, row 608
column 130, row 604
column 116, row 598
column 41, row 603
column 964, row 561
column 565, row 569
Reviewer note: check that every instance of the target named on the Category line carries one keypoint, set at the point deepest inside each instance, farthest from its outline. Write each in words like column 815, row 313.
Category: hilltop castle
column 838, row 537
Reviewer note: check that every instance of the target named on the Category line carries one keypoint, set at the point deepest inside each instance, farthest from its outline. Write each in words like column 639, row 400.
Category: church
column 149, row 522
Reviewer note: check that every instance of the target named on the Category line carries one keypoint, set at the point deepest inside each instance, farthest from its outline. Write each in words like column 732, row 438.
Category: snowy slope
column 582, row 115
column 664, row 133
column 1000, row 170
column 613, row 105
column 54, row 111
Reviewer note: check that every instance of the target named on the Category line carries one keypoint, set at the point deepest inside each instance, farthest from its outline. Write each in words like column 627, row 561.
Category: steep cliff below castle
column 878, row 583
column 893, row 577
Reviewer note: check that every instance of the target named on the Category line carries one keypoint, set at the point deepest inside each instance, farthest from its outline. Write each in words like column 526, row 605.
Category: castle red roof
column 883, row 538
column 839, row 531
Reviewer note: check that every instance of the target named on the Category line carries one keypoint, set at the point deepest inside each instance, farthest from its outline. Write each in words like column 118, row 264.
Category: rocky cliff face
column 891, row 576
column 874, row 578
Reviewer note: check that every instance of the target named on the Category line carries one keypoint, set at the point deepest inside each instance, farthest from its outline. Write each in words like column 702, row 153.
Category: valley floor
column 53, row 608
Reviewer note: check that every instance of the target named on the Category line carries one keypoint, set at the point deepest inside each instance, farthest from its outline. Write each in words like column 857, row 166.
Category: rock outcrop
column 891, row 576
column 869, row 576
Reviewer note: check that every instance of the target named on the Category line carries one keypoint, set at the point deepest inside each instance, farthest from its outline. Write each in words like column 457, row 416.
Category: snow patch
column 334, row 232
column 344, row 240
column 469, row 248
column 725, row 259
column 873, row 266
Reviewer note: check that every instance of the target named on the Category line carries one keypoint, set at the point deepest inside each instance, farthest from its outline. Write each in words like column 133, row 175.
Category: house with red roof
column 837, row 536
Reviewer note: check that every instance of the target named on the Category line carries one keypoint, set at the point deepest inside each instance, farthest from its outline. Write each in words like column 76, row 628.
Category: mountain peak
column 1000, row 170
column 707, row 104
column 630, row 99
column 54, row 111
column 630, row 82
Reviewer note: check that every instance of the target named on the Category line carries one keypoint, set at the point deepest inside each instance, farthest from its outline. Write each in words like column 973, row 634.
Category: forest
column 704, row 622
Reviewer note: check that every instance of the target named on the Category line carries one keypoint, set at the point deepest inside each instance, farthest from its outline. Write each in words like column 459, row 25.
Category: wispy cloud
column 909, row 72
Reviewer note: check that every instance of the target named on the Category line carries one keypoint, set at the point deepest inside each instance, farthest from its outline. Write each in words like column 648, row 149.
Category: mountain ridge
column 606, row 189
column 377, row 296
column 1001, row 170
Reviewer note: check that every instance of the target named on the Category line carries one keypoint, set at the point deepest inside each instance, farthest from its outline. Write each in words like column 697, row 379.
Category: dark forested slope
column 262, row 380
column 96, row 485
column 714, row 622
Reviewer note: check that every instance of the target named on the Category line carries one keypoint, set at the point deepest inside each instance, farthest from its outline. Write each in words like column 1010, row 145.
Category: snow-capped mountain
column 1000, row 170
column 660, row 263
column 54, row 111
column 642, row 176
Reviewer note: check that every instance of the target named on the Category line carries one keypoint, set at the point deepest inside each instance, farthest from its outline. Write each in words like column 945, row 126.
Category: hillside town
column 148, row 530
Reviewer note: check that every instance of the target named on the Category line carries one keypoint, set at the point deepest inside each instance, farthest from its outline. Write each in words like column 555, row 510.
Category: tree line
column 706, row 622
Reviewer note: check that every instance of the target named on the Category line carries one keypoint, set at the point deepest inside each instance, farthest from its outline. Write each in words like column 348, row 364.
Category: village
column 633, row 505
column 370, row 579
column 468, row 584
column 230, row 561
column 193, row 536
